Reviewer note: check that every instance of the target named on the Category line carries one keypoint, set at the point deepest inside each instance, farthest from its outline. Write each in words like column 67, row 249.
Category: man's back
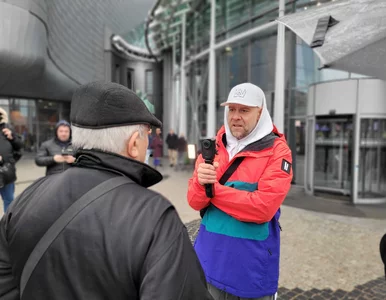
column 128, row 244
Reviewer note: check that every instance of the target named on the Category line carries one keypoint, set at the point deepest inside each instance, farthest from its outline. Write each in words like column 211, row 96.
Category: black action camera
column 208, row 153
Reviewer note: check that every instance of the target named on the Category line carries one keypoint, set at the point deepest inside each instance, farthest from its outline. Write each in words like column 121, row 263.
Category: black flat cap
column 105, row 104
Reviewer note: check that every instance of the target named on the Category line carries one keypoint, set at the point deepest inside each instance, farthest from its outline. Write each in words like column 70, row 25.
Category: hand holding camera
column 8, row 133
column 59, row 158
column 66, row 157
column 206, row 172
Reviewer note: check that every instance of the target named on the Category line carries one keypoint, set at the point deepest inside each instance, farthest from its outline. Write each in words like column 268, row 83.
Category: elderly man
column 239, row 239
column 95, row 231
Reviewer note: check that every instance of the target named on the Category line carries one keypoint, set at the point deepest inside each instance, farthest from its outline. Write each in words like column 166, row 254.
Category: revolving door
column 346, row 140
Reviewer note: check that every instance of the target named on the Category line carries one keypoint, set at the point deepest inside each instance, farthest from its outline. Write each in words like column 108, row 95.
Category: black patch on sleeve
column 286, row 166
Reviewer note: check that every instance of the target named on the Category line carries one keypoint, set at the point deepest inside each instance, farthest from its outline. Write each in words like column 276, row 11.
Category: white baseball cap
column 246, row 94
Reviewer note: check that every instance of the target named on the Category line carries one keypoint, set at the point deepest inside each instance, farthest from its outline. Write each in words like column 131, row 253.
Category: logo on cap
column 239, row 93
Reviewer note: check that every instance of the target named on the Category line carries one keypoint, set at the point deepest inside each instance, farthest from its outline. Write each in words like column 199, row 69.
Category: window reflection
column 34, row 120
column 372, row 161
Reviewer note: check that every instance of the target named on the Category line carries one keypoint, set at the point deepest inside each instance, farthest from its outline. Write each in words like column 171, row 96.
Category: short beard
column 241, row 136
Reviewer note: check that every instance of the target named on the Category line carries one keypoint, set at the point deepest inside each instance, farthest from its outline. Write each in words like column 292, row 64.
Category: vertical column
column 278, row 112
column 356, row 151
column 182, row 100
column 211, row 112
column 174, row 98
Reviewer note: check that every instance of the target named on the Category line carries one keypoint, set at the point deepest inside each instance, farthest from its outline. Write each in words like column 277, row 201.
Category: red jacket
column 268, row 164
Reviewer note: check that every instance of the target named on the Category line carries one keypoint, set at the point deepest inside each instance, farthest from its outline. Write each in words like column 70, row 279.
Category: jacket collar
column 139, row 172
column 265, row 143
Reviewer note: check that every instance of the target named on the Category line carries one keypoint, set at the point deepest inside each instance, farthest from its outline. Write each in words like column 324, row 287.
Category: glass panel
column 22, row 115
column 149, row 82
column 297, row 143
column 372, row 159
column 48, row 116
column 238, row 65
column 333, row 154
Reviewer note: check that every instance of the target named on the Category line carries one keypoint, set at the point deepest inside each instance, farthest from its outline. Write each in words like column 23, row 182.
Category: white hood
column 263, row 127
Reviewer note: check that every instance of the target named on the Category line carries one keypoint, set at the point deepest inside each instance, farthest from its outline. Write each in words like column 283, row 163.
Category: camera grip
column 209, row 190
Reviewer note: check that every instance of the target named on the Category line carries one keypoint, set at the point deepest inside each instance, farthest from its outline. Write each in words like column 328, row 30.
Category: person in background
column 9, row 144
column 57, row 153
column 182, row 147
column 172, row 142
column 156, row 146
column 149, row 150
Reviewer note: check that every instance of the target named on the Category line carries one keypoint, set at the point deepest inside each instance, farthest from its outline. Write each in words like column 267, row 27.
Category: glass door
column 372, row 160
column 333, row 154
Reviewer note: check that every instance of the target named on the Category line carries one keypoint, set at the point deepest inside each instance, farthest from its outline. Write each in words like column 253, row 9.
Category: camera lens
column 206, row 144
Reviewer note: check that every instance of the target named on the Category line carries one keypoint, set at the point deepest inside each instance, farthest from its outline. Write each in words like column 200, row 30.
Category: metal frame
column 278, row 110
column 211, row 108
column 182, row 107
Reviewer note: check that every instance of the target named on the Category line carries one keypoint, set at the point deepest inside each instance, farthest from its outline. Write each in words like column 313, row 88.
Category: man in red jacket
column 239, row 239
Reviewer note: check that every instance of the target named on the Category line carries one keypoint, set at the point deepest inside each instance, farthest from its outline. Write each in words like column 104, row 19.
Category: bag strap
column 230, row 170
column 61, row 223
column 224, row 178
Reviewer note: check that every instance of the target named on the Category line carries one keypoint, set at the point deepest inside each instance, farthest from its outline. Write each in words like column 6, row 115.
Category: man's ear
column 132, row 149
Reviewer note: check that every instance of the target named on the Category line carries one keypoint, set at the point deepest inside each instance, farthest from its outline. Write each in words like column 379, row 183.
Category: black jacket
column 7, row 147
column 46, row 153
column 129, row 244
column 172, row 141
column 182, row 145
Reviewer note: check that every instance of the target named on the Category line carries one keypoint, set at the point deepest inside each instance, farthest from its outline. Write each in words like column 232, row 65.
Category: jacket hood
column 4, row 116
column 263, row 127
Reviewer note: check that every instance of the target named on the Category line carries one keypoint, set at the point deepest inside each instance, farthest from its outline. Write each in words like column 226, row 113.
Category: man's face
column 242, row 119
column 158, row 131
column 63, row 133
column 171, row 131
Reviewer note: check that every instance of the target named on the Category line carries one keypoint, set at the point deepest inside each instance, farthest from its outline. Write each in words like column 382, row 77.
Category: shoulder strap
column 61, row 223
column 231, row 169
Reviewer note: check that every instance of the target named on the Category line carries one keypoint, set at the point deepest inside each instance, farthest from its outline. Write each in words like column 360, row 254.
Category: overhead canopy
column 357, row 43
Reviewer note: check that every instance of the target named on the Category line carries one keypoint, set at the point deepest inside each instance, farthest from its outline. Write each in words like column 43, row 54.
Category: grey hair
column 112, row 139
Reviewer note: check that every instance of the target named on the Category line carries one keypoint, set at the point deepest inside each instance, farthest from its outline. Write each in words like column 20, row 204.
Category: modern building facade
column 48, row 48
column 334, row 121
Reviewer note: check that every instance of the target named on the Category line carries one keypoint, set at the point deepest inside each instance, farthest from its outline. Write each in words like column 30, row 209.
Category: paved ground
column 324, row 255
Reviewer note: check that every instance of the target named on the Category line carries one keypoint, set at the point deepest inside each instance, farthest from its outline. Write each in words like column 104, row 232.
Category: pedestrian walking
column 157, row 148
column 172, row 142
column 182, row 148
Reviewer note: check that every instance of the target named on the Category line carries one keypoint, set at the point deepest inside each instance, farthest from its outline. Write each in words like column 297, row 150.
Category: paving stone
column 371, row 290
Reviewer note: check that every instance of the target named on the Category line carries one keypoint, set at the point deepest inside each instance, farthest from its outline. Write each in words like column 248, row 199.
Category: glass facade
column 34, row 120
column 253, row 60
column 372, row 155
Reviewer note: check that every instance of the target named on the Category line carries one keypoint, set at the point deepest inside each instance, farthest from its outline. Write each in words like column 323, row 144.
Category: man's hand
column 206, row 173
column 8, row 133
column 59, row 158
column 69, row 159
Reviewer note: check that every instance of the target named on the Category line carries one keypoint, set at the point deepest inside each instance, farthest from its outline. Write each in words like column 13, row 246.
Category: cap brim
column 154, row 121
column 228, row 103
